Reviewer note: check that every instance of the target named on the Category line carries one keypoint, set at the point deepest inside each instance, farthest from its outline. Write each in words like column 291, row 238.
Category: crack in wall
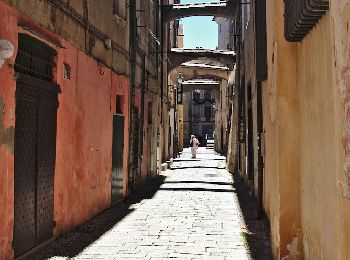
column 340, row 17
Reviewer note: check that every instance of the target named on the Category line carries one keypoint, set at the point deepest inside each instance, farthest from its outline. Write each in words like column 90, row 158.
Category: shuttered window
column 300, row 16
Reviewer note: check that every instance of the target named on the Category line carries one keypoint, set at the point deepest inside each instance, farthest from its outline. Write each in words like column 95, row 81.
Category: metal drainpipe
column 162, row 29
column 162, row 66
column 238, row 85
column 132, row 43
column 86, row 17
column 142, row 113
column 175, row 125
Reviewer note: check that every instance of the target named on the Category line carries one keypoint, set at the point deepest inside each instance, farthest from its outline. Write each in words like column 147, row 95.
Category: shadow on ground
column 194, row 167
column 74, row 242
column 257, row 235
column 198, row 189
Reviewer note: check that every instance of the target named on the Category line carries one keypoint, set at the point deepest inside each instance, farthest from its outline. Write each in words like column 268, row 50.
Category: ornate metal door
column 35, row 145
column 46, row 155
column 25, row 170
column 117, row 157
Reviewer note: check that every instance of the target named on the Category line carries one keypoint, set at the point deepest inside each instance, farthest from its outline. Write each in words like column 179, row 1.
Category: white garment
column 194, row 147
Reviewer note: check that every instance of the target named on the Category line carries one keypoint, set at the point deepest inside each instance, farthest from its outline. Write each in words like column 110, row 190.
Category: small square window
column 119, row 8
column 66, row 71
column 150, row 115
column 119, row 105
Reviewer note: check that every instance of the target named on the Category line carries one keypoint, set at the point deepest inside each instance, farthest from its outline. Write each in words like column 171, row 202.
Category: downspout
column 238, row 88
column 162, row 29
column 162, row 65
column 132, row 50
column 175, row 125
column 142, row 114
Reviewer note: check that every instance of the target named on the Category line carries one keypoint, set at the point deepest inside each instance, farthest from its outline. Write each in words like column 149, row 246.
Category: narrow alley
column 190, row 212
column 105, row 104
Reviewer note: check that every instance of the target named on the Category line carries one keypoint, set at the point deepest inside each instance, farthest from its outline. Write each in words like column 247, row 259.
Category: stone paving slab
column 194, row 214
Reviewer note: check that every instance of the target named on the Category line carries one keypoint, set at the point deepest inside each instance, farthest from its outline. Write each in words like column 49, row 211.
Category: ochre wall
column 340, row 17
column 306, row 121
column 281, row 121
column 317, row 143
column 84, row 133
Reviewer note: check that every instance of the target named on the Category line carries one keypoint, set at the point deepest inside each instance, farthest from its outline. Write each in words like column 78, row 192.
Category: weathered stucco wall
column 221, row 113
column 84, row 139
column 318, row 143
column 107, row 27
column 306, row 181
column 340, row 17
column 82, row 185
column 7, row 121
column 281, row 121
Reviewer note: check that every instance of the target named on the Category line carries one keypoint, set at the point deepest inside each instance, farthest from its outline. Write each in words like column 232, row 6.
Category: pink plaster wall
column 84, row 134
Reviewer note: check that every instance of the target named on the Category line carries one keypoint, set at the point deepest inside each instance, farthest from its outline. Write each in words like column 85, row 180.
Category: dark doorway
column 134, row 149
column 117, row 157
column 250, row 136
column 222, row 139
column 35, row 144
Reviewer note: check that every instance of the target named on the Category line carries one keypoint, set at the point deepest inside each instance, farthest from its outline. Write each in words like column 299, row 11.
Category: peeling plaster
column 293, row 249
column 341, row 19
column 6, row 134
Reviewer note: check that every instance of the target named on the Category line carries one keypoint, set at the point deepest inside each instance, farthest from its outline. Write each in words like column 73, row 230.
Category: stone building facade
column 81, row 112
column 292, row 138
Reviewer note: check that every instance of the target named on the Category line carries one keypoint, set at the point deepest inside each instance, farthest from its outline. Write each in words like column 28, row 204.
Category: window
column 208, row 113
column 196, row 95
column 66, row 71
column 196, row 110
column 207, row 95
column 118, row 105
column 119, row 8
column 150, row 113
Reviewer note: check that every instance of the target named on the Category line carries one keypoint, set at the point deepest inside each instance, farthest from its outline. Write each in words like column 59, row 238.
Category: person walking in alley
column 194, row 146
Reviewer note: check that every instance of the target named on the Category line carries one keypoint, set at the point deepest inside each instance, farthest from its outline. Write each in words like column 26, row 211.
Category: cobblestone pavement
column 193, row 213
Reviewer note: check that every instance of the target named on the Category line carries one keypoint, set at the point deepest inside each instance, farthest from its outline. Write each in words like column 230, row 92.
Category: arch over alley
column 201, row 69
column 178, row 56
column 222, row 9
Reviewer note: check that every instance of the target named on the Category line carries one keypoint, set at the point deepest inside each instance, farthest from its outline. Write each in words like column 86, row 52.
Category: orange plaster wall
column 84, row 138
column 84, row 134
column 7, row 91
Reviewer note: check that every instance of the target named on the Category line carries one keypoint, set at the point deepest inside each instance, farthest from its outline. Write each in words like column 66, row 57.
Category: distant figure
column 194, row 146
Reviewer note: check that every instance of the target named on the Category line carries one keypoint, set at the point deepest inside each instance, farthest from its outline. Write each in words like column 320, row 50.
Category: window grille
column 34, row 58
